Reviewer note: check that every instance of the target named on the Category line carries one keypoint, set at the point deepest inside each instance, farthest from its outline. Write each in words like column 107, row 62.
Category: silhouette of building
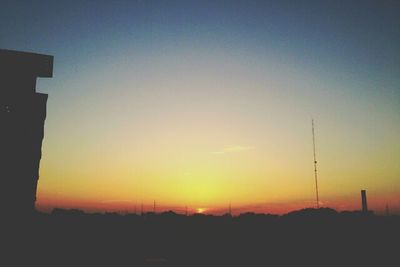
column 364, row 200
column 22, row 116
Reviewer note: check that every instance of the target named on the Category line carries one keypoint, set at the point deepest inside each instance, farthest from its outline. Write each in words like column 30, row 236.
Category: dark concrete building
column 22, row 116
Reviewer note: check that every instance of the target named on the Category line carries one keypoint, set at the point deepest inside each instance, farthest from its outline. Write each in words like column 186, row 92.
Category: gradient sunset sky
column 203, row 103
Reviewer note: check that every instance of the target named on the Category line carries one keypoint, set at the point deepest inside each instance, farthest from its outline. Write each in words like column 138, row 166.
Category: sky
column 206, row 103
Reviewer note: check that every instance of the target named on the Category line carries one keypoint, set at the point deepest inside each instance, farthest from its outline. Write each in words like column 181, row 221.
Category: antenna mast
column 315, row 163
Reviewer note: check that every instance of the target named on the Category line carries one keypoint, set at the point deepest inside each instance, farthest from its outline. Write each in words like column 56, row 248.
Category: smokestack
column 364, row 200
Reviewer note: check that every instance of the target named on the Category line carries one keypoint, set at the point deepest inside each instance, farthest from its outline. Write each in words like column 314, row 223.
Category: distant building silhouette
column 364, row 200
column 22, row 116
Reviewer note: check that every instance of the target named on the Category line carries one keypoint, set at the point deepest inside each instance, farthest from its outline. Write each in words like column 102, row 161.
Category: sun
column 200, row 210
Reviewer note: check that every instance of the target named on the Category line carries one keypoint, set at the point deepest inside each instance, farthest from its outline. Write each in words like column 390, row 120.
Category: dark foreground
column 309, row 237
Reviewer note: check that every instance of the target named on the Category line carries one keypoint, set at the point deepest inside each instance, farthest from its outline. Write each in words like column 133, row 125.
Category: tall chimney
column 364, row 200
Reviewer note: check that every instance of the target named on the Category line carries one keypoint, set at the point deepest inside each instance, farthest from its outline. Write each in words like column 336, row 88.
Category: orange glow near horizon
column 376, row 203
column 200, row 210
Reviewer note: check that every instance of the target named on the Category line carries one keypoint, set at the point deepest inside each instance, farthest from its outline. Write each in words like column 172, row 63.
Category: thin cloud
column 232, row 149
